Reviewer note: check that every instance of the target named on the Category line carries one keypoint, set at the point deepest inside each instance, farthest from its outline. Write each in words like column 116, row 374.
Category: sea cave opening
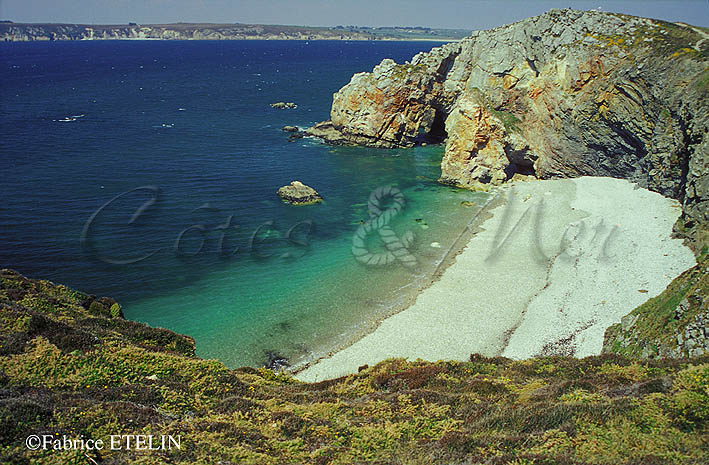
column 437, row 132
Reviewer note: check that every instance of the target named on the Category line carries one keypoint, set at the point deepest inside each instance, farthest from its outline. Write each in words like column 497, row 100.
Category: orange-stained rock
column 566, row 93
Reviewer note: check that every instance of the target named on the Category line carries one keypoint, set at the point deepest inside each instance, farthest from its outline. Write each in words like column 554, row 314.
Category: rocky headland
column 564, row 94
column 561, row 95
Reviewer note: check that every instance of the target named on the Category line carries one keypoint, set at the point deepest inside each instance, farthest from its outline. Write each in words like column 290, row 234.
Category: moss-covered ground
column 658, row 322
column 70, row 365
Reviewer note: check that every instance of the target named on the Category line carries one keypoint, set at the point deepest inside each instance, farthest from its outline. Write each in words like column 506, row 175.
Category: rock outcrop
column 297, row 193
column 673, row 324
column 284, row 105
column 567, row 93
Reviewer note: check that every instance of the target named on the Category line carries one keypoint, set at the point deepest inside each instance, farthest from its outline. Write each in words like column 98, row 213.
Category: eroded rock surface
column 564, row 94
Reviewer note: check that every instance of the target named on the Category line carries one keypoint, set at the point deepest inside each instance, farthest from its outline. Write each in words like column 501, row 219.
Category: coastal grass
column 703, row 81
column 657, row 324
column 66, row 371
column 659, row 38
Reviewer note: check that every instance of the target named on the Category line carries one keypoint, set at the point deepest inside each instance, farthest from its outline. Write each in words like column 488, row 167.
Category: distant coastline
column 28, row 32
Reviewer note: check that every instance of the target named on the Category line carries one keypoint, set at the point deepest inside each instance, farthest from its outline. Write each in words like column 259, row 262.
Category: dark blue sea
column 147, row 171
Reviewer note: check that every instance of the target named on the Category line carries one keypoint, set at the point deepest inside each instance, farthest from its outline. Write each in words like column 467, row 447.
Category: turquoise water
column 174, row 138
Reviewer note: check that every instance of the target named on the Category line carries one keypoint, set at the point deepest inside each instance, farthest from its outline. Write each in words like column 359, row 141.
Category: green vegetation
column 662, row 38
column 405, row 71
column 509, row 120
column 66, row 371
column 658, row 322
column 703, row 81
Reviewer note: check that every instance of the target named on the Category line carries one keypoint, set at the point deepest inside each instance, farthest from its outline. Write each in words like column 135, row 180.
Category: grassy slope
column 70, row 365
column 659, row 320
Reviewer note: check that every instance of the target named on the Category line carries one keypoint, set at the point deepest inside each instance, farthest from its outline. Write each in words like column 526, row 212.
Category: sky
column 463, row 14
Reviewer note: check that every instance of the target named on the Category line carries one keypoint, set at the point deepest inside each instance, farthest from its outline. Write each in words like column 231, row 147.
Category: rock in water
column 290, row 128
column 284, row 105
column 276, row 361
column 328, row 133
column 567, row 93
column 295, row 136
column 297, row 193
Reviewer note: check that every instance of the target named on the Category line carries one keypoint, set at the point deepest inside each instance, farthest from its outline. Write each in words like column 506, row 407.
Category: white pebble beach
column 554, row 265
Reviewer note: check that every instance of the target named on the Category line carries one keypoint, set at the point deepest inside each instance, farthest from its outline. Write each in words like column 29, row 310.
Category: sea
column 147, row 171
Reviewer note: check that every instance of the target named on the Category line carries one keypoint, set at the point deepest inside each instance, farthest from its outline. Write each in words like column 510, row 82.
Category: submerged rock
column 297, row 193
column 294, row 133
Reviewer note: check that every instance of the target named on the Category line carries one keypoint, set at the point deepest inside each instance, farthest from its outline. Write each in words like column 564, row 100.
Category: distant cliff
column 567, row 93
column 12, row 32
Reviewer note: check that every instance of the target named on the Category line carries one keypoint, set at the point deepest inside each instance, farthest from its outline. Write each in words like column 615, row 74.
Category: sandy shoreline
column 545, row 271
column 410, row 292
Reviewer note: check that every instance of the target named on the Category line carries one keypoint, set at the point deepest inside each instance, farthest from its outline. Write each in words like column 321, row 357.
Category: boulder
column 295, row 136
column 297, row 193
column 290, row 129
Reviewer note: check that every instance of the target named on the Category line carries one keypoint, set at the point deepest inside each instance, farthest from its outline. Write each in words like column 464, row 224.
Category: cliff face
column 567, row 93
column 23, row 32
column 10, row 32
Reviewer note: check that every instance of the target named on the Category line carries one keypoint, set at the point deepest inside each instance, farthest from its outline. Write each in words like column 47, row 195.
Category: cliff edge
column 564, row 94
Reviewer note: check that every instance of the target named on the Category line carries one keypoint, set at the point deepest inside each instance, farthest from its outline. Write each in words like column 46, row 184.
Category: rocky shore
column 562, row 95
column 558, row 96
column 568, row 93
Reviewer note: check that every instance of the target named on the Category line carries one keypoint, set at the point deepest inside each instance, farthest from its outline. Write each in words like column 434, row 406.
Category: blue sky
column 466, row 14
